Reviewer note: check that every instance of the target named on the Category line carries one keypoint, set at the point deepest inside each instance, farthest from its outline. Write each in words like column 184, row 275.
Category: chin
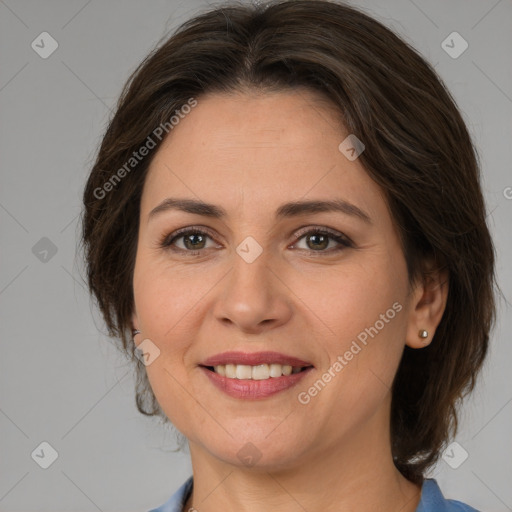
column 258, row 447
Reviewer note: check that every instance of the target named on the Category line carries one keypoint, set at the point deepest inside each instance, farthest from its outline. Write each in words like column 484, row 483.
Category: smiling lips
column 256, row 375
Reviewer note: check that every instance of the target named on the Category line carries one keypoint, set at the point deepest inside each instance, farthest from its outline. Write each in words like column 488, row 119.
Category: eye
column 187, row 240
column 192, row 241
column 319, row 240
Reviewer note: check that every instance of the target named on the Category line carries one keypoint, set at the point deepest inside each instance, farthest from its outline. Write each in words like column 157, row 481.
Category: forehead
column 265, row 148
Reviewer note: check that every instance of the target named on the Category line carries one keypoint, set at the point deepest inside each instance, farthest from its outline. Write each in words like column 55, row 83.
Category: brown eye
column 317, row 241
column 189, row 240
column 320, row 240
column 194, row 240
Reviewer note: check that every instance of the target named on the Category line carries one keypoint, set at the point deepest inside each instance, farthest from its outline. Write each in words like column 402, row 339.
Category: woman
column 284, row 227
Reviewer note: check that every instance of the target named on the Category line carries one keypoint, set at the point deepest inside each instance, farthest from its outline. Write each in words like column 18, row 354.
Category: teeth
column 276, row 370
column 230, row 371
column 259, row 372
column 243, row 371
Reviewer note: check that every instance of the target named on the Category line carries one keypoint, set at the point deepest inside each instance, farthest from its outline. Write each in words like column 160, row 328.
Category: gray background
column 61, row 379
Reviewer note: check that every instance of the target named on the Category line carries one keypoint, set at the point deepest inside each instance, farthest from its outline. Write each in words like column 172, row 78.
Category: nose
column 253, row 298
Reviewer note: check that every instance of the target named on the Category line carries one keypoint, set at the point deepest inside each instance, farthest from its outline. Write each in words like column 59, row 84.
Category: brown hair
column 418, row 151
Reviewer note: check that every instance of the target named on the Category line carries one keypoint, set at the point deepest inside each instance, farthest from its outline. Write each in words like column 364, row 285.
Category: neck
column 355, row 474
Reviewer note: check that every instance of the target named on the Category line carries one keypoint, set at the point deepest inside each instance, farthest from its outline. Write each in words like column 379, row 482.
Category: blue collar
column 432, row 499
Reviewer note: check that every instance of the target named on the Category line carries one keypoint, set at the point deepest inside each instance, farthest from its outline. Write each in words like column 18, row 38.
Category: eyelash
column 344, row 242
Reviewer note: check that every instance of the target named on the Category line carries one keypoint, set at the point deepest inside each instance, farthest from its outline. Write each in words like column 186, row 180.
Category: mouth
column 258, row 375
column 257, row 372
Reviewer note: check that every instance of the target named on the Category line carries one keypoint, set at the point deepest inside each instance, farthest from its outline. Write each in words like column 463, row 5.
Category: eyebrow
column 287, row 210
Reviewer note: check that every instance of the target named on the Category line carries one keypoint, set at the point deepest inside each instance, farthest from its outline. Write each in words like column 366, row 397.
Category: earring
column 422, row 333
column 135, row 332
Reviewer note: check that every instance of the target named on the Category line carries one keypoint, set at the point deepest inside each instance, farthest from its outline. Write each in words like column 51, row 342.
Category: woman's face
column 259, row 280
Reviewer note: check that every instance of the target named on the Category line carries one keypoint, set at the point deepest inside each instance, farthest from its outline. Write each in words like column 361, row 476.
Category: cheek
column 365, row 310
column 164, row 302
column 363, row 358
column 162, row 306
column 165, row 296
column 352, row 298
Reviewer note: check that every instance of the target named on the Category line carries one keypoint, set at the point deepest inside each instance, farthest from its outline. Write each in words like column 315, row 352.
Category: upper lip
column 253, row 359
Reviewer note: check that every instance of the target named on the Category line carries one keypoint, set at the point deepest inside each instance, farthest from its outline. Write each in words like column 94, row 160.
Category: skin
column 249, row 153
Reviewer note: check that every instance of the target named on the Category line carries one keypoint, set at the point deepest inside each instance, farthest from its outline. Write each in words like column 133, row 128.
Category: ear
column 429, row 295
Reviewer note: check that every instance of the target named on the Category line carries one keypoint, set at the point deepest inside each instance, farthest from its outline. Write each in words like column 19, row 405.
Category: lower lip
column 254, row 389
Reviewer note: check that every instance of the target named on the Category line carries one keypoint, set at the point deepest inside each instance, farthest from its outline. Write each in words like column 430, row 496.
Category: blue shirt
column 432, row 500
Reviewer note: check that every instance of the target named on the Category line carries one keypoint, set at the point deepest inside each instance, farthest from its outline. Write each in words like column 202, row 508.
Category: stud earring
column 135, row 332
column 422, row 333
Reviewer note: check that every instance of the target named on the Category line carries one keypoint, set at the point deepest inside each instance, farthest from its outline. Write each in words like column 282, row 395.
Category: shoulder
column 432, row 500
column 177, row 500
